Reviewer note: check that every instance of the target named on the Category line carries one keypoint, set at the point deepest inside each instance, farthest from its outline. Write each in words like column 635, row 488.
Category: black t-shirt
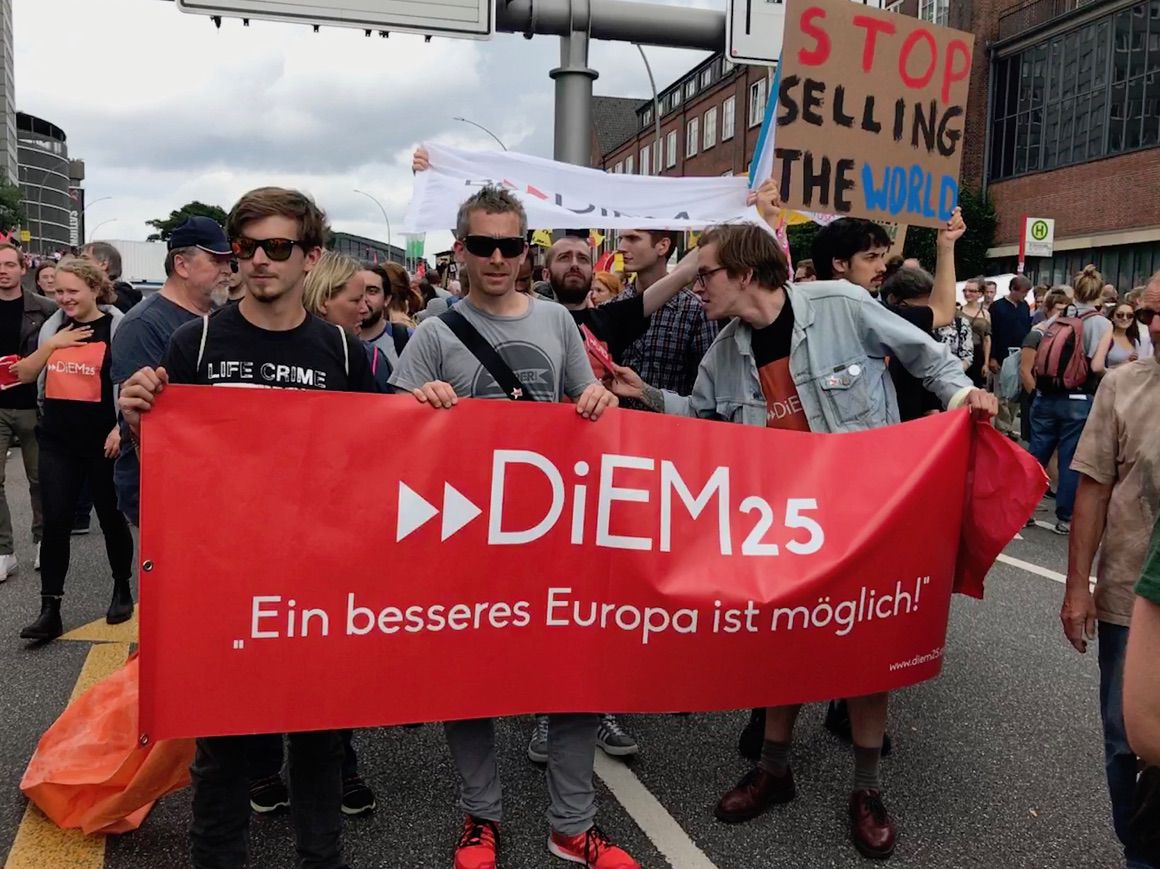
column 313, row 355
column 913, row 399
column 617, row 323
column 773, row 342
column 771, row 347
column 78, row 392
column 11, row 319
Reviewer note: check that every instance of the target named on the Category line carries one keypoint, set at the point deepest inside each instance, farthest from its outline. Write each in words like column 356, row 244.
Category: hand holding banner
column 721, row 565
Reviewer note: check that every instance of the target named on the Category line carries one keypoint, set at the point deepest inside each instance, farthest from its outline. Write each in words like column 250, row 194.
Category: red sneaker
column 591, row 848
column 476, row 848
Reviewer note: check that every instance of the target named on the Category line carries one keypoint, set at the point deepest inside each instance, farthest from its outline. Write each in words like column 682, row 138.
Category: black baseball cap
column 202, row 232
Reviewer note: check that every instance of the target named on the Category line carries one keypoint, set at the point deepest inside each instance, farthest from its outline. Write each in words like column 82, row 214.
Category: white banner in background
column 563, row 196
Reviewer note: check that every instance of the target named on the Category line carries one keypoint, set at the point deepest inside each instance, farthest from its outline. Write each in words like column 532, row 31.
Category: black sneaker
column 269, row 795
column 82, row 526
column 538, row 744
column 838, row 723
column 753, row 736
column 357, row 798
column 614, row 739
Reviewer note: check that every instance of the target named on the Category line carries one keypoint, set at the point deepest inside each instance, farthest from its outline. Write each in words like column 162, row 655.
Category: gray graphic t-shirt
column 542, row 347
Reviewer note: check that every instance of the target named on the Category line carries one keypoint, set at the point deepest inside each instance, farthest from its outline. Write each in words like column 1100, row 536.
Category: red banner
column 321, row 560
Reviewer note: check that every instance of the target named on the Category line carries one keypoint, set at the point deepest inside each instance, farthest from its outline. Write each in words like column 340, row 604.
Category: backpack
column 1010, row 388
column 1061, row 366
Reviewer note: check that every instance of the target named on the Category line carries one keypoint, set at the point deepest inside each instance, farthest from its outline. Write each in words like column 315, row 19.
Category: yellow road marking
column 102, row 632
column 40, row 843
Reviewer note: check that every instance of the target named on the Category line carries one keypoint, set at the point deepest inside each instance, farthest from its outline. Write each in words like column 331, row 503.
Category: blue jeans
column 1119, row 759
column 1057, row 421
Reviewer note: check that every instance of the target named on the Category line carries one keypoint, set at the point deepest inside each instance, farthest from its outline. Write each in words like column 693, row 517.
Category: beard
column 373, row 320
column 570, row 292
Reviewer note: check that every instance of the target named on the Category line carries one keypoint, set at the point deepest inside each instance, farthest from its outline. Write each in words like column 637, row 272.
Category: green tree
column 971, row 250
column 166, row 225
column 11, row 206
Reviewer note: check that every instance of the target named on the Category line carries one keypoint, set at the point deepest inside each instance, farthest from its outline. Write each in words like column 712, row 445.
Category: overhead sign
column 870, row 113
column 474, row 19
column 557, row 546
column 754, row 28
column 1038, row 236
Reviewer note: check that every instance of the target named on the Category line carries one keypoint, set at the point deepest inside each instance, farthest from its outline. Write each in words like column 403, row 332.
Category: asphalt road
column 998, row 763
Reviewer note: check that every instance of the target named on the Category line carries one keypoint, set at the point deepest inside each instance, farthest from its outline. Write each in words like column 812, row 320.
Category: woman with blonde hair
column 336, row 291
column 606, row 286
column 1058, row 415
column 79, row 437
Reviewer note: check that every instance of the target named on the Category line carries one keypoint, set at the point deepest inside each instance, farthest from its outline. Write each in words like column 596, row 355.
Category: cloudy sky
column 163, row 108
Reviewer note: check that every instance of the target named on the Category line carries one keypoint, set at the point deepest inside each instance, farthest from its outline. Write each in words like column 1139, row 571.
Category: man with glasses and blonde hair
column 802, row 352
column 267, row 340
column 503, row 344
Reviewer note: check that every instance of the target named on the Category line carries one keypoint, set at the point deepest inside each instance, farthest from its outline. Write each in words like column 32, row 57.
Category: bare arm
column 1078, row 613
column 659, row 294
column 29, row 368
column 942, row 297
column 1100, row 360
column 986, row 351
column 1142, row 681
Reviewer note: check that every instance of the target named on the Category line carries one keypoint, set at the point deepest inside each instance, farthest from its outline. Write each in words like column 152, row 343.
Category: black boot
column 47, row 625
column 121, row 607
column 753, row 736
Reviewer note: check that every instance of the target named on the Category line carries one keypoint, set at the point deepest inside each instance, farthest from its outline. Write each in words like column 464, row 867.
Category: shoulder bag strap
column 486, row 354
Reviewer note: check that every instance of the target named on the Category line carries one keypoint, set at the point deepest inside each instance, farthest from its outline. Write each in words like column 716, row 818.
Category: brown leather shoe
column 755, row 793
column 871, row 826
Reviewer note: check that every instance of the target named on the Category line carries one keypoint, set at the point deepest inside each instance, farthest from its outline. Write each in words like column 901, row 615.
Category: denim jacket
column 841, row 338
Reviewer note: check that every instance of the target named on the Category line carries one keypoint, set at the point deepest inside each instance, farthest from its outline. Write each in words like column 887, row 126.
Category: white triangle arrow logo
column 414, row 512
column 457, row 511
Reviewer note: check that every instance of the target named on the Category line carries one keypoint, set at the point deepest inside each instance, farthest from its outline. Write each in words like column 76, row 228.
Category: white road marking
column 1037, row 570
column 668, row 836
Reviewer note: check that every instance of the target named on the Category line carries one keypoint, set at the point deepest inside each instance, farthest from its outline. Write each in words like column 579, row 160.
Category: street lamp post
column 97, row 229
column 656, row 110
column 94, row 202
column 485, row 129
column 387, row 220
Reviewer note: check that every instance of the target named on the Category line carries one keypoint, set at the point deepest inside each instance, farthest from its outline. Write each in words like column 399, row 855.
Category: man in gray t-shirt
column 539, row 342
column 541, row 346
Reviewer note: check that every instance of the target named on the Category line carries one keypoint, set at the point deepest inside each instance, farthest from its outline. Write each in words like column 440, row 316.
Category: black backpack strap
column 401, row 337
column 486, row 354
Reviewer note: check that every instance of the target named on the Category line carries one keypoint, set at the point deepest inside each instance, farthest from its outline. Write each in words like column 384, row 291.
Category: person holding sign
column 803, row 358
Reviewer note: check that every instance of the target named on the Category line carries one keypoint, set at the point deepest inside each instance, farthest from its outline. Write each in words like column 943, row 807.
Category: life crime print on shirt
column 74, row 373
column 273, row 375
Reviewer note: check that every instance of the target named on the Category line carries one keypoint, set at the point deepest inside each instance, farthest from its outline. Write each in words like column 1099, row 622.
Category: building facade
column 1063, row 121
column 9, row 161
column 48, row 180
column 366, row 249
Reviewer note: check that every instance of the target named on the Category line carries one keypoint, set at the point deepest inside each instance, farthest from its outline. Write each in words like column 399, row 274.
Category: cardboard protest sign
column 871, row 108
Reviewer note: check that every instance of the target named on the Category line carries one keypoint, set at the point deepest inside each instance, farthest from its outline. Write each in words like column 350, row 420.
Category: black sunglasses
column 1145, row 315
column 277, row 249
column 509, row 247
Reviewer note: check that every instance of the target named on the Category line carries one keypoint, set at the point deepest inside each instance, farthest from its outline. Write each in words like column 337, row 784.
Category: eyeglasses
column 1145, row 315
column 1122, row 316
column 509, row 247
column 702, row 278
column 277, row 249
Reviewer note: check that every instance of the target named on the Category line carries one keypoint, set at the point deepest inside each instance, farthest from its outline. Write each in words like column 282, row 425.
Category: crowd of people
column 848, row 340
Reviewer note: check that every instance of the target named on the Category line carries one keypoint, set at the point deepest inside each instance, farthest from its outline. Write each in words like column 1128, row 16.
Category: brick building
column 1063, row 121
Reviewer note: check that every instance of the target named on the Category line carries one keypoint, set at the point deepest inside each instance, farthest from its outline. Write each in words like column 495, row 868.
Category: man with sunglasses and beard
column 539, row 343
column 266, row 340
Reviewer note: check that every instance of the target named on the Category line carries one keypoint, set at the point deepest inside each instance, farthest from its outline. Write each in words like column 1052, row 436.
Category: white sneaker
column 36, row 564
column 8, row 565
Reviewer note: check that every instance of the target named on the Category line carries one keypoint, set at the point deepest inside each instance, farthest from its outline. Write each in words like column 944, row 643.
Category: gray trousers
column 20, row 424
column 571, row 754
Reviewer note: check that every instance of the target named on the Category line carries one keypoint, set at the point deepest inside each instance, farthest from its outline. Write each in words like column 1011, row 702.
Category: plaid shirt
column 668, row 354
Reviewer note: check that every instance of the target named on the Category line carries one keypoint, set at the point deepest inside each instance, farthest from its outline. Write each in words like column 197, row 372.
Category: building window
column 618, row 169
column 710, row 129
column 675, row 99
column 728, row 118
column 934, row 11
column 646, row 118
column 671, row 149
column 757, row 92
column 644, row 154
column 690, row 89
column 692, row 137
column 1082, row 95
column 629, row 165
column 706, row 77
column 726, row 66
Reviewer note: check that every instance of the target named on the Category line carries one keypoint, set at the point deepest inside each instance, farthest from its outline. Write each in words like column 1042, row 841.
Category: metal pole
column 618, row 20
column 94, row 202
column 574, row 79
column 485, row 129
column 656, row 104
column 97, row 229
column 390, row 247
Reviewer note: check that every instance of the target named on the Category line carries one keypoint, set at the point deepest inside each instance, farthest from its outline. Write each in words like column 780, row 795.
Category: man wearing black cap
column 199, row 261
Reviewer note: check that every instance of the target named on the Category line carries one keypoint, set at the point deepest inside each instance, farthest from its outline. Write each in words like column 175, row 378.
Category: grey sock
column 774, row 757
column 866, row 768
